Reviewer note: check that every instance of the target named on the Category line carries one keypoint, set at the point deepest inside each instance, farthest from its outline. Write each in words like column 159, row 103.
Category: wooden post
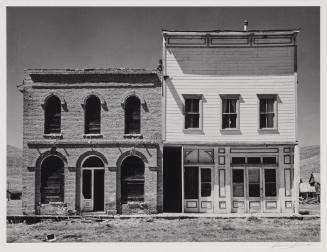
column 296, row 179
column 182, row 167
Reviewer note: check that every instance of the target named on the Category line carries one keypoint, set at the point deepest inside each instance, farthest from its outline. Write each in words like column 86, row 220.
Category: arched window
column 132, row 115
column 52, row 115
column 52, row 180
column 132, row 179
column 92, row 115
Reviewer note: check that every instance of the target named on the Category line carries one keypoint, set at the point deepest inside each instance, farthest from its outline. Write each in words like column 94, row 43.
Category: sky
column 100, row 37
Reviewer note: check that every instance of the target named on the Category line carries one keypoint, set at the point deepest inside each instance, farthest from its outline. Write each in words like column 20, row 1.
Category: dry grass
column 161, row 230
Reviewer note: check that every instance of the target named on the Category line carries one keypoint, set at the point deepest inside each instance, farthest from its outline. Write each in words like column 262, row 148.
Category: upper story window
column 132, row 115
column 193, row 111
column 230, row 112
column 92, row 115
column 52, row 115
column 268, row 111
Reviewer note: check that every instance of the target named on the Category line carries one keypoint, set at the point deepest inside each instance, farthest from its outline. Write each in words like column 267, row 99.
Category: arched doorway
column 52, row 180
column 92, row 183
column 132, row 180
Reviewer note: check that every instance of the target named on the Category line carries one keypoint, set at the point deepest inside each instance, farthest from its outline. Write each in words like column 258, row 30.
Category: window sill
column 53, row 136
column 193, row 131
column 230, row 131
column 92, row 136
column 140, row 136
column 268, row 131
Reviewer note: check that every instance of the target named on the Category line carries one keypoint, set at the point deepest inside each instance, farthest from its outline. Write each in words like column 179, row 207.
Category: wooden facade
column 250, row 166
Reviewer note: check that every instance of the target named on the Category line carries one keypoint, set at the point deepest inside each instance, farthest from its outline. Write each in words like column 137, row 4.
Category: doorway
column 93, row 185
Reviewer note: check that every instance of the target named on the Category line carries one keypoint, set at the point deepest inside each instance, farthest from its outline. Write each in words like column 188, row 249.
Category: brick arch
column 89, row 154
column 49, row 153
column 130, row 154
column 59, row 96
column 128, row 94
column 88, row 94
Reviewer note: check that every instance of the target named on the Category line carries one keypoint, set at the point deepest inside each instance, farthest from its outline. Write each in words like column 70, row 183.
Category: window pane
column 205, row 189
column 270, row 182
column 225, row 106
column 238, row 160
column 188, row 103
column 232, row 108
column 238, row 176
column 206, row 156
column 132, row 115
column 135, row 190
column 254, row 160
column 238, row 183
column 206, row 175
column 263, row 105
column 191, row 182
column 225, row 121
column 254, row 190
column 263, row 121
column 270, row 105
column 269, row 160
column 270, row 120
column 191, row 156
column 195, row 105
column 195, row 121
column 87, row 184
column 254, row 175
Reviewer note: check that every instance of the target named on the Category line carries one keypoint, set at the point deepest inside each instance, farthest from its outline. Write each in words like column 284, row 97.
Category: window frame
column 275, row 106
column 46, row 122
column 194, row 97
column 125, row 117
column 230, row 97
column 85, row 116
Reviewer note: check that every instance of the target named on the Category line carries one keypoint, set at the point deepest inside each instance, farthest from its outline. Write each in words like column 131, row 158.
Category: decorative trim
column 112, row 168
column 53, row 136
column 72, row 168
column 222, row 204
column 206, row 204
column 254, row 150
column 221, row 160
column 287, row 159
column 221, row 150
column 188, row 202
column 51, row 152
column 287, row 150
column 153, row 168
column 59, row 96
column 271, row 206
column 288, row 204
column 89, row 154
column 129, row 153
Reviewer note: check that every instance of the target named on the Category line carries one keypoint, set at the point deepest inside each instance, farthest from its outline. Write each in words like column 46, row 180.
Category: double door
column 198, row 189
column 254, row 189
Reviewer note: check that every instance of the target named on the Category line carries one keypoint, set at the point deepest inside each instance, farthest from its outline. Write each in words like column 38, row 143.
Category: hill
column 14, row 167
column 310, row 161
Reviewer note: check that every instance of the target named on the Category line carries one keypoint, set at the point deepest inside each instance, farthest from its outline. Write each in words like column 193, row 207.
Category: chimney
column 246, row 25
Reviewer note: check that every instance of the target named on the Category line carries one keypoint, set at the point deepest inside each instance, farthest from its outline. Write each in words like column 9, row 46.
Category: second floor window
column 132, row 115
column 52, row 115
column 230, row 112
column 267, row 112
column 192, row 111
column 92, row 115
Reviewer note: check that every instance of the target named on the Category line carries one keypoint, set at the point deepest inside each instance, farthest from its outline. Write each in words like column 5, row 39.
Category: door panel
column 206, row 202
column 87, row 192
column 270, row 190
column 238, row 190
column 98, row 203
column 254, row 200
column 191, row 188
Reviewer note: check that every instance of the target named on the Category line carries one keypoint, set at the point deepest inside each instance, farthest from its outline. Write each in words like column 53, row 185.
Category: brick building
column 92, row 141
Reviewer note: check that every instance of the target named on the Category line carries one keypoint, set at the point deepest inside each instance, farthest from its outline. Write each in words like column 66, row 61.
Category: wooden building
column 229, row 121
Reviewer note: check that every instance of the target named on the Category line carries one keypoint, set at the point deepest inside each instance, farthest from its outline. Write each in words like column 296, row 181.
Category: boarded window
column 270, row 183
column 229, row 120
column 238, row 183
column 92, row 115
column 52, row 180
column 52, row 115
column 132, row 115
column 191, row 182
column 132, row 179
column 192, row 113
column 267, row 113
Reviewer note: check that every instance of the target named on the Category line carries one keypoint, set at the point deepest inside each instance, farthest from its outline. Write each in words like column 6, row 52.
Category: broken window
column 92, row 115
column 132, row 179
column 52, row 180
column 132, row 115
column 52, row 115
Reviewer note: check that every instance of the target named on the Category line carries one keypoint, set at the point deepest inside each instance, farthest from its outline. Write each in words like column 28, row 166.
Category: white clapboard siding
column 194, row 71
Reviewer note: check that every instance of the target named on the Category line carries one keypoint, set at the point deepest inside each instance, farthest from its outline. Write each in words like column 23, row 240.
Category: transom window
column 193, row 110
column 52, row 115
column 268, row 109
column 230, row 111
column 92, row 115
column 132, row 115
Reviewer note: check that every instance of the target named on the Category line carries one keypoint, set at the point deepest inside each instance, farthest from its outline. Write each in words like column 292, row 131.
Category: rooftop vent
column 246, row 25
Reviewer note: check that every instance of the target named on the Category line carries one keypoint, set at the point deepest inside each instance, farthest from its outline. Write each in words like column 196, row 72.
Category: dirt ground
column 163, row 230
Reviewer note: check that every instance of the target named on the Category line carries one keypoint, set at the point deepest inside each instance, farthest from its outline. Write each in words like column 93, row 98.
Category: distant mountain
column 14, row 168
column 310, row 161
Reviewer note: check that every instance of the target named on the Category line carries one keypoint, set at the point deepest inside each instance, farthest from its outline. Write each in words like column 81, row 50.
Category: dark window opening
column 269, row 160
column 191, row 182
column 270, row 183
column 52, row 180
column 92, row 115
column 87, row 184
column 192, row 113
column 132, row 115
column 16, row 196
column 238, row 183
column 205, row 182
column 254, row 160
column 93, row 162
column 238, row 160
column 132, row 179
column 229, row 114
column 52, row 115
column 267, row 113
